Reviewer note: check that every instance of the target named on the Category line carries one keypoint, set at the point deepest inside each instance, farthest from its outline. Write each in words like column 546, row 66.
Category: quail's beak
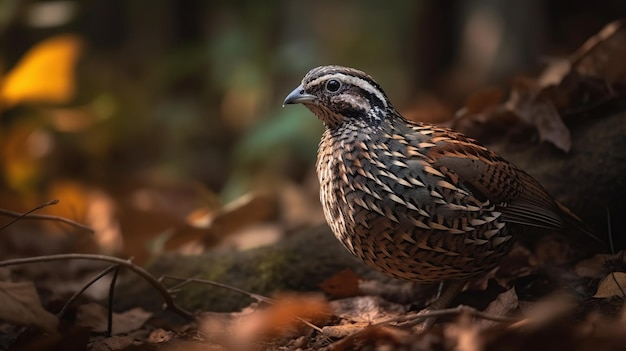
column 299, row 96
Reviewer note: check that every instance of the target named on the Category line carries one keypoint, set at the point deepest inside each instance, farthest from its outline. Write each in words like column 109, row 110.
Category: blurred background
column 159, row 123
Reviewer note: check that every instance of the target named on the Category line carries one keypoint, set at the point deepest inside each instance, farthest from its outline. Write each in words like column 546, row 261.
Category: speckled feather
column 413, row 200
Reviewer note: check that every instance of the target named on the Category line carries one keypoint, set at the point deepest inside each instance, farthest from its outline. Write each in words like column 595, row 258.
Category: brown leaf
column 612, row 285
column 159, row 336
column 91, row 206
column 20, row 304
column 253, row 236
column 341, row 285
column 70, row 337
column 466, row 334
column 482, row 100
column 547, row 310
column 554, row 72
column 603, row 55
column 366, row 309
column 95, row 317
column 152, row 219
column 502, row 306
column 282, row 318
column 251, row 208
column 482, row 115
column 599, row 265
column 114, row 343
column 525, row 100
column 513, row 266
column 374, row 337
column 185, row 345
column 591, row 78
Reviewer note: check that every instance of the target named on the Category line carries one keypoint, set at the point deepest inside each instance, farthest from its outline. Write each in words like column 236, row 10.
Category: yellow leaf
column 612, row 285
column 44, row 74
column 19, row 155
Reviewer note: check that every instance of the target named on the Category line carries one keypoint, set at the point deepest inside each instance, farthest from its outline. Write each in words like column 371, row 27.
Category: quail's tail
column 580, row 232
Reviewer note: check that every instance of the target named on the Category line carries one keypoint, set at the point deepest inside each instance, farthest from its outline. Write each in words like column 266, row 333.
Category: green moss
column 271, row 271
column 298, row 263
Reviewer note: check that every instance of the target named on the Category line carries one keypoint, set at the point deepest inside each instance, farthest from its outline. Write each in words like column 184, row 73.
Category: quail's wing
column 488, row 176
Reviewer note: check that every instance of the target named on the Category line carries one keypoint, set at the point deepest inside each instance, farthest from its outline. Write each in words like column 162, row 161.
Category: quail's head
column 337, row 95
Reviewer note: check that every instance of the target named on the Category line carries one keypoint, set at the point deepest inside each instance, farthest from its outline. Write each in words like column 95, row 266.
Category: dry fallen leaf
column 249, row 209
column 592, row 77
column 603, row 55
column 375, row 338
column 555, row 71
column 20, row 304
column 502, row 306
column 69, row 337
column 114, row 343
column 482, row 100
column 368, row 309
column 341, row 285
column 282, row 318
column 545, row 311
column 186, row 345
column 159, row 336
column 525, row 100
column 94, row 316
column 599, row 265
column 613, row 285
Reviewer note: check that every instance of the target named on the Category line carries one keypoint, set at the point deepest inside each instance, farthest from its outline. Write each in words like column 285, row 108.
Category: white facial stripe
column 356, row 81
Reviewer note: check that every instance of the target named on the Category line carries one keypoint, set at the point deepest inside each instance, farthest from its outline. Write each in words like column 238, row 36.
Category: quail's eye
column 333, row 85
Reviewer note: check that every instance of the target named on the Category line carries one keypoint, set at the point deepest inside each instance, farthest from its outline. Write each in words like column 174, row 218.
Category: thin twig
column 185, row 281
column 609, row 231
column 110, row 304
column 19, row 216
column 175, row 288
column 85, row 287
column 170, row 304
column 461, row 309
column 29, row 215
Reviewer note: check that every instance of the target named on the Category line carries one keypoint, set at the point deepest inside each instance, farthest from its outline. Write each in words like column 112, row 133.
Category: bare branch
column 110, row 304
column 170, row 304
column 185, row 281
column 85, row 287
column 29, row 215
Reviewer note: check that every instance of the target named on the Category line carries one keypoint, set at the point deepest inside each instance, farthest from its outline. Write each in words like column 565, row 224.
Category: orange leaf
column 341, row 285
column 44, row 74
column 282, row 318
column 21, row 149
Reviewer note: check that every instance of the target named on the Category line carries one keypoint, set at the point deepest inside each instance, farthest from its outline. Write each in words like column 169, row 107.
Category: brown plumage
column 413, row 200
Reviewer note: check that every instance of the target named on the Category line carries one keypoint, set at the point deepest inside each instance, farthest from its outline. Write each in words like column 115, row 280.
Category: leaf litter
column 591, row 78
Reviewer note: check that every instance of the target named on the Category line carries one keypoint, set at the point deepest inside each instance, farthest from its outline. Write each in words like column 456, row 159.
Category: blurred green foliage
column 182, row 91
column 191, row 91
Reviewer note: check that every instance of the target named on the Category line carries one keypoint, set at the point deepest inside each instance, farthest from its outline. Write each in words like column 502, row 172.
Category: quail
column 413, row 200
